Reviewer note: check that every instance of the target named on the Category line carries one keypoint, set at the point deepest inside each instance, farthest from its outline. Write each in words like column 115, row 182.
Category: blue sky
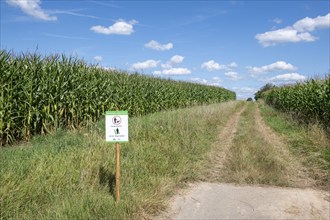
column 239, row 45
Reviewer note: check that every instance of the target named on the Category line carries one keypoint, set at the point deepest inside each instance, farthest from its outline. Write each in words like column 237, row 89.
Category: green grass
column 252, row 159
column 70, row 175
column 309, row 143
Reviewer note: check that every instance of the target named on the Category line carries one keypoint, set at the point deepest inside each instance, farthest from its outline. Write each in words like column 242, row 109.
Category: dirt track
column 216, row 200
column 224, row 140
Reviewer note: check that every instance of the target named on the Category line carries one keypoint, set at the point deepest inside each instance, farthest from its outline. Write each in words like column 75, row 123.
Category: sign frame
column 111, row 128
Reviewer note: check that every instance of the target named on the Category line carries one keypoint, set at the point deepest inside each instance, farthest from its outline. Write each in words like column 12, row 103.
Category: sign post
column 117, row 172
column 116, row 131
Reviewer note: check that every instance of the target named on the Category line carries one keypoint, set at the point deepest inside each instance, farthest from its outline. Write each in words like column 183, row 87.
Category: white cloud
column 73, row 13
column 157, row 46
column 233, row 76
column 109, row 68
column 98, row 58
column 279, row 65
column 310, row 24
column 288, row 77
column 157, row 72
column 145, row 65
column 173, row 71
column 244, row 92
column 168, row 68
column 245, row 89
column 215, row 81
column 211, row 65
column 166, row 65
column 287, row 34
column 176, row 71
column 32, row 8
column 298, row 32
column 176, row 59
column 198, row 80
column 277, row 20
column 121, row 27
column 232, row 65
column 64, row 36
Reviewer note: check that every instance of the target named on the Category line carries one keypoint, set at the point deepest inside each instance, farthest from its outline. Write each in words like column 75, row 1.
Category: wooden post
column 117, row 172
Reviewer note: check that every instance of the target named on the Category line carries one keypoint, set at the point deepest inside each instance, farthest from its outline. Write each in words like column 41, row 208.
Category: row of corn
column 307, row 102
column 42, row 93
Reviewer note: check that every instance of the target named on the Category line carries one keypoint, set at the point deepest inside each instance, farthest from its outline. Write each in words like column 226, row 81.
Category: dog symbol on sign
column 116, row 120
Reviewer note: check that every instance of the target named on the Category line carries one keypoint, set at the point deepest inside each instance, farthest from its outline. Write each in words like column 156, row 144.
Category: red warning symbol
column 116, row 120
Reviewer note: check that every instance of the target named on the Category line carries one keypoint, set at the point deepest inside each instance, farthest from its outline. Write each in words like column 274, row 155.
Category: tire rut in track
column 296, row 172
column 221, row 149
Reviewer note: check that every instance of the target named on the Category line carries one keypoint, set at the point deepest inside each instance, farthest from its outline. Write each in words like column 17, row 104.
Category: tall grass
column 70, row 175
column 307, row 102
column 42, row 93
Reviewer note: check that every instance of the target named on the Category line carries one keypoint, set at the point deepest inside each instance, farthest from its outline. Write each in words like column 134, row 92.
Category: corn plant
column 42, row 93
column 307, row 102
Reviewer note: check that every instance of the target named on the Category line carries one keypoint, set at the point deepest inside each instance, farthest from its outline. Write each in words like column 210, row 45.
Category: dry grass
column 218, row 155
column 246, row 153
column 252, row 159
column 318, row 136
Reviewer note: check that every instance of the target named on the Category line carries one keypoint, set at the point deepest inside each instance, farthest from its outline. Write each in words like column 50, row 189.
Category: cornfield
column 307, row 102
column 42, row 93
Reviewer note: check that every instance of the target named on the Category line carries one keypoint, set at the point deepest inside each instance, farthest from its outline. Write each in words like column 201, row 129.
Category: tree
column 263, row 89
column 249, row 99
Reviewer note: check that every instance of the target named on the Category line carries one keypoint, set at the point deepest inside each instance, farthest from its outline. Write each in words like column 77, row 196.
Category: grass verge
column 70, row 175
column 308, row 143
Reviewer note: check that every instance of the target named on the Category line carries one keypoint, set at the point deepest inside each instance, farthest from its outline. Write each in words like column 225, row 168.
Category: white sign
column 116, row 126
